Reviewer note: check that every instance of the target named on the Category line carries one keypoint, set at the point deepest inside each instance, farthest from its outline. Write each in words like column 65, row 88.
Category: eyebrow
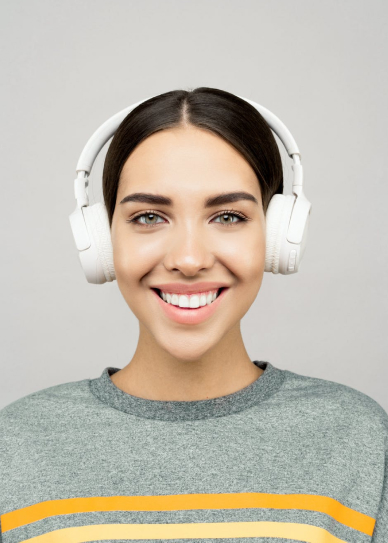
column 219, row 199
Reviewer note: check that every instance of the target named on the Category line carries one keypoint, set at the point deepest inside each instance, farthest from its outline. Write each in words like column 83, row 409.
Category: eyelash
column 242, row 217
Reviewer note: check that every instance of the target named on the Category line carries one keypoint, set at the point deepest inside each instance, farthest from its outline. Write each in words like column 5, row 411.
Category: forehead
column 191, row 159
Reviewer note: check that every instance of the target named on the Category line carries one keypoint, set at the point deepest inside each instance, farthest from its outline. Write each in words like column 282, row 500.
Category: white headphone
column 287, row 216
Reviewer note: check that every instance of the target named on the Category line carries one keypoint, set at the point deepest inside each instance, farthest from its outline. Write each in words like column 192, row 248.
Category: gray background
column 319, row 66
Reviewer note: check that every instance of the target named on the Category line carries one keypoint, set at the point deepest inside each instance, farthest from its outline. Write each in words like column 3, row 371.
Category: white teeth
column 192, row 301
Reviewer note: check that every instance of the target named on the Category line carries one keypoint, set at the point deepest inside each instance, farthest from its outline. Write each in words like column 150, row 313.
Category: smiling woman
column 192, row 440
column 190, row 155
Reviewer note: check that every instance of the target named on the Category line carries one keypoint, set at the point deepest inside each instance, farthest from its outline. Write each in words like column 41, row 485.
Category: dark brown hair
column 223, row 113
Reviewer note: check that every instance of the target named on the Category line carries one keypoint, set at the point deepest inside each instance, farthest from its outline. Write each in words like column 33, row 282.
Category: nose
column 189, row 251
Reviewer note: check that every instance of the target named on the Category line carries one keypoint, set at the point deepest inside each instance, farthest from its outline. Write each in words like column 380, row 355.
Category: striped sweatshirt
column 287, row 458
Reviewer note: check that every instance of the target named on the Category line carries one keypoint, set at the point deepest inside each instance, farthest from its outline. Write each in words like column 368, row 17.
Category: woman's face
column 186, row 242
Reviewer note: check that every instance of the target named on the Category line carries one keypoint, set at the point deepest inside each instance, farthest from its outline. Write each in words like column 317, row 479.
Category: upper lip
column 184, row 288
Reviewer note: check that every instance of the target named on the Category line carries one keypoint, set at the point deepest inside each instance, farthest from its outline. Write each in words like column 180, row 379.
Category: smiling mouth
column 158, row 291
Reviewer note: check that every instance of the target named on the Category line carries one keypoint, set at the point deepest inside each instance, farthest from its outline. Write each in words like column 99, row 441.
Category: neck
column 154, row 374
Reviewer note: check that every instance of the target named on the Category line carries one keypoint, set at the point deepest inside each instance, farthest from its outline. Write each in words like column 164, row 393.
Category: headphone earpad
column 97, row 223
column 277, row 219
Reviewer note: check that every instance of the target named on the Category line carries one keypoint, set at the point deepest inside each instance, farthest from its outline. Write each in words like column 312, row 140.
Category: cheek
column 134, row 257
column 249, row 271
column 245, row 257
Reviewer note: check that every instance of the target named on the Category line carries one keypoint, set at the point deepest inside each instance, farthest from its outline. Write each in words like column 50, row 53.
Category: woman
column 192, row 440
column 190, row 153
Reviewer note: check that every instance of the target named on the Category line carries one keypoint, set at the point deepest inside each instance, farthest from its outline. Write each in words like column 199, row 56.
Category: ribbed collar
column 258, row 391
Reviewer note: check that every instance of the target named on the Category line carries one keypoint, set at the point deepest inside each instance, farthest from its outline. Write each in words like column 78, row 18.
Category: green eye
column 145, row 215
column 226, row 214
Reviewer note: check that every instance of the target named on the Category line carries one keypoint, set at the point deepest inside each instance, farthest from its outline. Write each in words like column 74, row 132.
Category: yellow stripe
column 181, row 502
column 111, row 532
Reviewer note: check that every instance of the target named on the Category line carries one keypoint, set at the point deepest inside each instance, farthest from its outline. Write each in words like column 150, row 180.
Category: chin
column 189, row 345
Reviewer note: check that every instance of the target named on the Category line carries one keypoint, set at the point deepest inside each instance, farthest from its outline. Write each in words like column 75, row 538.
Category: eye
column 234, row 214
column 147, row 213
column 154, row 215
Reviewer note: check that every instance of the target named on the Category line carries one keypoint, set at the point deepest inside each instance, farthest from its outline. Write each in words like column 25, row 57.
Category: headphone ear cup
column 97, row 223
column 277, row 220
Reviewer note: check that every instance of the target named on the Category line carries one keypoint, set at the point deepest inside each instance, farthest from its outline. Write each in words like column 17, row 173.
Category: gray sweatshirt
column 287, row 458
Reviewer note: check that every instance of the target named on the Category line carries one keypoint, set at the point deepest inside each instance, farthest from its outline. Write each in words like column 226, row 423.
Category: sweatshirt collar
column 260, row 390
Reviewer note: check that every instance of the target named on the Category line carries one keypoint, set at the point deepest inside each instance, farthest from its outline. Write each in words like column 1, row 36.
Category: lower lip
column 190, row 316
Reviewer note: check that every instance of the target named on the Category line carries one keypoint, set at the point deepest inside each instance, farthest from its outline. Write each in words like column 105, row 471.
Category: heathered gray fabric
column 284, row 434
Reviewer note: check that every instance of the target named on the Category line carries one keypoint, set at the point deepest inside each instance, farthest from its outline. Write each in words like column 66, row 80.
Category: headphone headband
column 99, row 138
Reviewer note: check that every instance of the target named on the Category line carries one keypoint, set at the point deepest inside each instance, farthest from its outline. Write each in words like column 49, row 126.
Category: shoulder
column 51, row 404
column 339, row 403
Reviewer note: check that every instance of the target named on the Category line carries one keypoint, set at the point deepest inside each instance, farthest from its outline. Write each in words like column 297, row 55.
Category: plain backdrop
column 321, row 67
